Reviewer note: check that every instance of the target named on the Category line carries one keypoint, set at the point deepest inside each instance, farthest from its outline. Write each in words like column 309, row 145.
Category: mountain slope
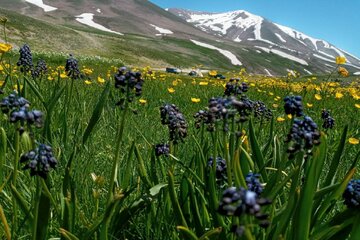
column 142, row 33
column 269, row 37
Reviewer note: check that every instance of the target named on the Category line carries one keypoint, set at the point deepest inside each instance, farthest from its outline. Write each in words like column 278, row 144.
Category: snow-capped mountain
column 266, row 36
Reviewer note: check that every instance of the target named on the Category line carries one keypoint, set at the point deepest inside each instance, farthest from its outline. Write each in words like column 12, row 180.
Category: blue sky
column 335, row 21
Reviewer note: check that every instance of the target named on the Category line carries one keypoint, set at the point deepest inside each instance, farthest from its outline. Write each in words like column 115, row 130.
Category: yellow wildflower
column 100, row 80
column 195, row 100
column 88, row 82
column 87, row 71
column 309, row 105
column 63, row 75
column 50, row 78
column 142, row 101
column 1, row 83
column 280, row 119
column 275, row 105
column 289, row 116
column 318, row 97
column 203, row 83
column 340, row 60
column 339, row 95
column 343, row 72
column 5, row 47
column 171, row 90
column 357, row 105
column 354, row 141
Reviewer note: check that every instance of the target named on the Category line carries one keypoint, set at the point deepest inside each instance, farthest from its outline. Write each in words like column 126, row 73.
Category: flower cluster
column 39, row 161
column 129, row 83
column 234, row 87
column 13, row 101
column 171, row 116
column 253, row 183
column 25, row 61
column 230, row 108
column 352, row 194
column 162, row 149
column 236, row 202
column 72, row 68
column 220, row 167
column 303, row 135
column 293, row 105
column 19, row 110
column 329, row 121
column 40, row 69
column 261, row 111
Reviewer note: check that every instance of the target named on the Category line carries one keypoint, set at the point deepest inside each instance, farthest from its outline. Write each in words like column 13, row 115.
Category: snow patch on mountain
column 284, row 55
column 221, row 22
column 39, row 3
column 356, row 73
column 307, row 71
column 323, row 58
column 161, row 30
column 280, row 37
column 98, row 10
column 267, row 72
column 226, row 53
column 87, row 19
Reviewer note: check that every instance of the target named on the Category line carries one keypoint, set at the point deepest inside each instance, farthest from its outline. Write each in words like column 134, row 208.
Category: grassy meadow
column 112, row 180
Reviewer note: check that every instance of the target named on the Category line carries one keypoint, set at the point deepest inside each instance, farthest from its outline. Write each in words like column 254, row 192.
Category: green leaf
column 210, row 233
column 336, row 159
column 68, row 235
column 174, row 199
column 188, row 234
column 97, row 112
column 258, row 156
column 157, row 188
column 3, row 147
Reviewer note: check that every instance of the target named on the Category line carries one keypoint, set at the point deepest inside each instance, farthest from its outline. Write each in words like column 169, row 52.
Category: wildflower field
column 90, row 149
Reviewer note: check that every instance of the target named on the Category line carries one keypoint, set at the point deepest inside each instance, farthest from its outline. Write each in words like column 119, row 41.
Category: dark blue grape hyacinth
column 352, row 194
column 293, row 105
column 72, row 68
column 236, row 202
column 175, row 120
column 162, row 149
column 25, row 61
column 329, row 121
column 13, row 101
column 234, row 87
column 261, row 111
column 220, row 167
column 130, row 83
column 40, row 69
column 253, row 183
column 303, row 135
column 40, row 161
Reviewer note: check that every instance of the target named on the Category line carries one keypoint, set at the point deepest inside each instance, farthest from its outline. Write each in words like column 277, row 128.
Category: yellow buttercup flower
column 309, row 105
column 171, row 90
column 63, row 75
column 203, row 83
column 357, row 105
column 50, row 78
column 318, row 97
column 354, row 141
column 275, row 105
column 280, row 119
column 289, row 116
column 339, row 95
column 5, row 47
column 87, row 71
column 340, row 60
column 343, row 72
column 100, row 80
column 1, row 83
column 142, row 101
column 88, row 82
column 195, row 100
